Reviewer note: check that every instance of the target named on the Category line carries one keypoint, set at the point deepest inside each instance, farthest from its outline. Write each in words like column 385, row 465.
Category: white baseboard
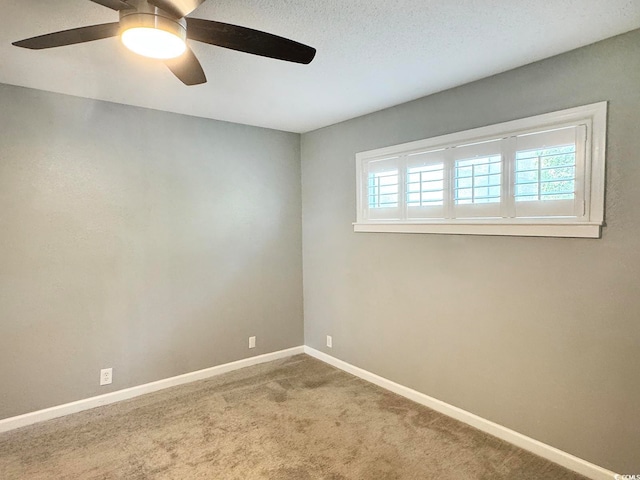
column 113, row 397
column 552, row 454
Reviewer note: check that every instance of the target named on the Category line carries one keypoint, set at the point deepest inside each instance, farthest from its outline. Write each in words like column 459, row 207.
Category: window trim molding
column 595, row 114
column 576, row 230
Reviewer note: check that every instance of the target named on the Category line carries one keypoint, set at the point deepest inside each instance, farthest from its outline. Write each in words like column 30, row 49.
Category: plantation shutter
column 549, row 173
column 382, row 188
column 426, row 184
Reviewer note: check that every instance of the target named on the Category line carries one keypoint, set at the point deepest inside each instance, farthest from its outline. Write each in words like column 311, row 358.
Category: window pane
column 529, row 176
column 464, row 182
column 551, row 174
column 383, row 189
column 547, row 173
column 464, row 171
column 526, row 163
column 527, row 190
column 478, row 180
column 413, row 187
column 482, row 180
column 466, row 193
column 566, row 160
column 425, row 185
column 554, row 188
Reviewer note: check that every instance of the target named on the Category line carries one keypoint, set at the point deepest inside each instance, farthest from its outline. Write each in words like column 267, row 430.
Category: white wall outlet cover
column 106, row 376
column 329, row 341
column 252, row 342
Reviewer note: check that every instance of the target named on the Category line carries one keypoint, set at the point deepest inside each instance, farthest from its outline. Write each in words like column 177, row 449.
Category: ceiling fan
column 159, row 29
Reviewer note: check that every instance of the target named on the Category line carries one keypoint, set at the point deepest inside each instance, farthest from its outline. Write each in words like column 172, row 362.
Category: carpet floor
column 292, row 419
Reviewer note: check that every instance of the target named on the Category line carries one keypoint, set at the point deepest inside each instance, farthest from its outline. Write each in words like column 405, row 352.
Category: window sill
column 573, row 229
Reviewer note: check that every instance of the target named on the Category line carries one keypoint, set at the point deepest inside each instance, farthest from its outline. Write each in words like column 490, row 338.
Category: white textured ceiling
column 372, row 54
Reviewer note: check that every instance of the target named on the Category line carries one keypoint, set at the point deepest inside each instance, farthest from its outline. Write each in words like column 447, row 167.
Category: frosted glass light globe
column 153, row 43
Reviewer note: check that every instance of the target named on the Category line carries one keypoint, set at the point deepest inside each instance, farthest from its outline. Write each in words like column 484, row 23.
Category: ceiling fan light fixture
column 158, row 29
column 153, row 36
column 153, row 43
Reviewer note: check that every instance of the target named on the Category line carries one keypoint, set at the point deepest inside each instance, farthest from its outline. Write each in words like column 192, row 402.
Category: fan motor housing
column 148, row 16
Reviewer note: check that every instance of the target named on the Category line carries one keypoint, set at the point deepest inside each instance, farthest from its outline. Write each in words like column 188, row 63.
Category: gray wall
column 538, row 334
column 149, row 242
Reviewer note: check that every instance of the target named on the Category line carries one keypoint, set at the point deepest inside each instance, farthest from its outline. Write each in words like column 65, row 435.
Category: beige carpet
column 292, row 419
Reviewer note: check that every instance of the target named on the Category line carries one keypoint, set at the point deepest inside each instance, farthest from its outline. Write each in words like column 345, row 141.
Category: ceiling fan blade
column 70, row 37
column 113, row 4
column 187, row 68
column 178, row 8
column 248, row 40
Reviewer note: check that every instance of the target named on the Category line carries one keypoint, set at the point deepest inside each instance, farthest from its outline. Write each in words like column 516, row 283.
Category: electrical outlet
column 106, row 376
column 252, row 342
column 329, row 341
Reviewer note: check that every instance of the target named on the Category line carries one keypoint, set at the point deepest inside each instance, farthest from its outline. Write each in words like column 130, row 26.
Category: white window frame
column 592, row 191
